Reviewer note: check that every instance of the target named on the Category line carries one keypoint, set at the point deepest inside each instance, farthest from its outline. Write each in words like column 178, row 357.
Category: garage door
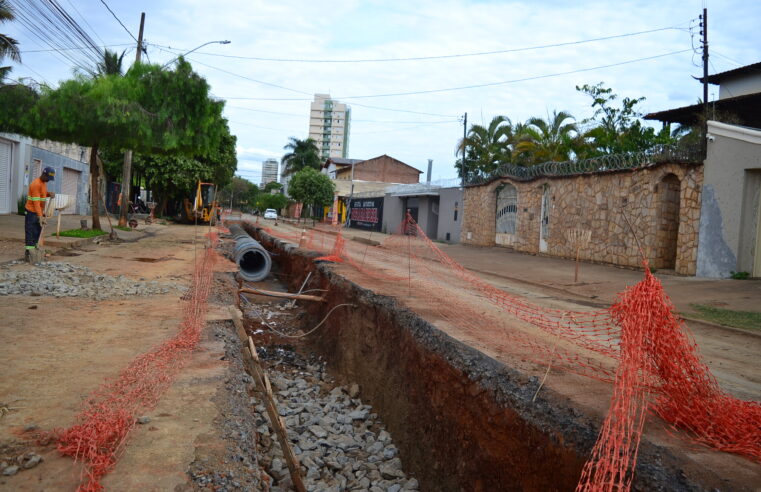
column 70, row 186
column 5, row 178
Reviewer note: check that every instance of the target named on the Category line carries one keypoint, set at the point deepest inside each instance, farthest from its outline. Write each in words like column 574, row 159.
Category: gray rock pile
column 68, row 280
column 340, row 443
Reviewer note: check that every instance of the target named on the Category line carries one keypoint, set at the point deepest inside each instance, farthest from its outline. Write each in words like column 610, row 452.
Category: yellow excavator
column 204, row 205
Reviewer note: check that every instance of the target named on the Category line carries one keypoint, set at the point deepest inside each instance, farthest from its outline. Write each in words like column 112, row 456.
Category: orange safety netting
column 103, row 425
column 639, row 344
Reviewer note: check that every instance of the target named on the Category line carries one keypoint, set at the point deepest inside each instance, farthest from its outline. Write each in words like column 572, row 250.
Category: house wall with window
column 662, row 203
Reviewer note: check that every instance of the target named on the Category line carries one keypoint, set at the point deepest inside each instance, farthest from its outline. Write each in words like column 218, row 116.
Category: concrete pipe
column 254, row 262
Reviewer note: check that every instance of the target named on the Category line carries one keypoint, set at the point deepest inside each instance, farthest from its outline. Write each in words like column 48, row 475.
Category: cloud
column 371, row 29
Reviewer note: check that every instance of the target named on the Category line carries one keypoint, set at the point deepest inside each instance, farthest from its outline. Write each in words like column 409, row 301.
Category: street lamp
column 196, row 48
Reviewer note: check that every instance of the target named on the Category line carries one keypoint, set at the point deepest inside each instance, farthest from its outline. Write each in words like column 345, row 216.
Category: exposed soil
column 427, row 384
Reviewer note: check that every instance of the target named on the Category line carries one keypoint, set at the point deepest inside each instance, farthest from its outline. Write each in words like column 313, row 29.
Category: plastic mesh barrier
column 639, row 344
column 102, row 427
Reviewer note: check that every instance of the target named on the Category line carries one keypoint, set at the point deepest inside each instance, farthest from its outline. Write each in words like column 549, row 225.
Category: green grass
column 123, row 228
column 81, row 233
column 745, row 320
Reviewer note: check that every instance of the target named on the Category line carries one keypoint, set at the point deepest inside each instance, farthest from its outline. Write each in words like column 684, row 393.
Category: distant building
column 269, row 171
column 329, row 126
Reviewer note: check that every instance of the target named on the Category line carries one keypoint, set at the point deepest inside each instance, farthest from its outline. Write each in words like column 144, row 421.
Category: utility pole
column 464, row 147
column 127, row 168
column 704, row 32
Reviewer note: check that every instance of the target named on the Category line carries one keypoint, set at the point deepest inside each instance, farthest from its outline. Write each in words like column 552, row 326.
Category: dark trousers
column 32, row 228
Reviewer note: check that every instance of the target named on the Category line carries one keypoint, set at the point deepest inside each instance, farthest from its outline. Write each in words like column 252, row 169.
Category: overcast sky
column 268, row 100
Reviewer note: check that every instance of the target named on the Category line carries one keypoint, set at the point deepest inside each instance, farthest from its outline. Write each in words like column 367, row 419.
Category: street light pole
column 194, row 49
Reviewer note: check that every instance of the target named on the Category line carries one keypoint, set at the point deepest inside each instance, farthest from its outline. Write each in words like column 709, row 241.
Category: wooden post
column 254, row 369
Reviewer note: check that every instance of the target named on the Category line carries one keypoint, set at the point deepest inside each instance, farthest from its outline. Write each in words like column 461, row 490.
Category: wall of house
column 730, row 208
column 450, row 199
column 59, row 162
column 393, row 213
column 595, row 202
column 740, row 85
column 383, row 168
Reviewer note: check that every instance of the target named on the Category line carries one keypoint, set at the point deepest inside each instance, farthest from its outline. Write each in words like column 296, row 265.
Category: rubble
column 339, row 441
column 69, row 280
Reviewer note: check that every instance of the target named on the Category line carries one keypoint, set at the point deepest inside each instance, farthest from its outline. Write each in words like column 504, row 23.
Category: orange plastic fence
column 639, row 344
column 102, row 427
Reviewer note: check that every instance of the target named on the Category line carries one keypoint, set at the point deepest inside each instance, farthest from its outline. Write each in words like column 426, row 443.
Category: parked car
column 270, row 213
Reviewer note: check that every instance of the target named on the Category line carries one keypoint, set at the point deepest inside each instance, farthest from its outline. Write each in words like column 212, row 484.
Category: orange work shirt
column 37, row 197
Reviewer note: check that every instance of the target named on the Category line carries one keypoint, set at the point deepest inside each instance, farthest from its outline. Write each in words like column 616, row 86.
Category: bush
column 739, row 275
column 21, row 206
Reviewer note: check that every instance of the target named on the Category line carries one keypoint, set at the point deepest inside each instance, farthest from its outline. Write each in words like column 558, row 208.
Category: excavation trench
column 461, row 420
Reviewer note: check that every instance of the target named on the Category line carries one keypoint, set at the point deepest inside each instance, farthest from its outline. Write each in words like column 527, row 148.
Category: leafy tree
column 239, row 192
column 173, row 177
column 277, row 201
column 311, row 188
column 272, row 185
column 149, row 109
column 302, row 154
column 547, row 140
column 617, row 129
column 486, row 148
column 111, row 64
column 8, row 45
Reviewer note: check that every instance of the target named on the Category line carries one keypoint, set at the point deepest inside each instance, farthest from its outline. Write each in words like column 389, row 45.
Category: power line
column 119, row 20
column 77, row 48
column 353, row 120
column 474, row 86
column 439, row 57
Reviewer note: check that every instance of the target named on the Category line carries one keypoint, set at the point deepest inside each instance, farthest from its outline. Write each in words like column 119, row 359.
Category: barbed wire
column 611, row 162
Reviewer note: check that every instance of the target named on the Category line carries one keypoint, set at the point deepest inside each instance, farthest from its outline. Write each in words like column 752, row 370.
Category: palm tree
column 303, row 153
column 111, row 64
column 486, row 148
column 553, row 139
column 8, row 45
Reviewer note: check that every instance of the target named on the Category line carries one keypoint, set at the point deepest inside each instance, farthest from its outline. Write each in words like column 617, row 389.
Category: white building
column 329, row 126
column 269, row 171
column 22, row 160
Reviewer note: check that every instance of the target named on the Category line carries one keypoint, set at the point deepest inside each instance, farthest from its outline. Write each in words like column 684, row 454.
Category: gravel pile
column 340, row 443
column 67, row 280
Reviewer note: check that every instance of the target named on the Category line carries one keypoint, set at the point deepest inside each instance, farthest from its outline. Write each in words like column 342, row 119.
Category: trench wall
column 461, row 420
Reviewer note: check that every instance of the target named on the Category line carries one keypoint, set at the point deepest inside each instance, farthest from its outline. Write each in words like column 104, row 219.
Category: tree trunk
column 126, row 181
column 94, row 188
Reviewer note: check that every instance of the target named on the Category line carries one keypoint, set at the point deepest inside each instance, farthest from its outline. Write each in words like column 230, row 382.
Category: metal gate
column 544, row 228
column 5, row 178
column 70, row 186
column 507, row 213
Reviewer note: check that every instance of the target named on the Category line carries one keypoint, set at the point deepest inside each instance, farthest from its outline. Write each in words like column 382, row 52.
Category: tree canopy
column 610, row 130
column 149, row 109
column 311, row 188
column 8, row 45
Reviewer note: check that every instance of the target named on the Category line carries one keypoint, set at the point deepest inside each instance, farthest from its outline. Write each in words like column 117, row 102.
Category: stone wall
column 597, row 202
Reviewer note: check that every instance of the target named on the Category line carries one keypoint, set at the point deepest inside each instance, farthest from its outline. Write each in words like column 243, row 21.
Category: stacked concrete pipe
column 254, row 262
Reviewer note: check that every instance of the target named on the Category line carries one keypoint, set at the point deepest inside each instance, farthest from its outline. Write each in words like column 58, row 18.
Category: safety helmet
column 49, row 172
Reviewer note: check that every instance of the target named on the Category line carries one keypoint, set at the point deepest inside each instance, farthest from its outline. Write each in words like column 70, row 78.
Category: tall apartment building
column 269, row 171
column 329, row 126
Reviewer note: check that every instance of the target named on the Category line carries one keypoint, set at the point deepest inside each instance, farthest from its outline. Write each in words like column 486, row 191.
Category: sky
column 521, row 59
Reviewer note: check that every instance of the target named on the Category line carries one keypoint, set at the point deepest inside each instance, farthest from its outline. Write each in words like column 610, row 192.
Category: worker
column 35, row 209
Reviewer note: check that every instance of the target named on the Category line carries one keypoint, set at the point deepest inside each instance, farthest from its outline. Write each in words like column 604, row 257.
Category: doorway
column 667, row 234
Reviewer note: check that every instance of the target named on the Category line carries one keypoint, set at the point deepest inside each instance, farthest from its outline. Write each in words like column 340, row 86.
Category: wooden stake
column 254, row 369
column 272, row 293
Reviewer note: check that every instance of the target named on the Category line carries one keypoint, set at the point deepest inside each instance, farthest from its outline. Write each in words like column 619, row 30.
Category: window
column 456, row 204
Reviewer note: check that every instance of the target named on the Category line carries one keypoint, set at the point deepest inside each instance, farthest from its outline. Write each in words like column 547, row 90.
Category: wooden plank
column 255, row 370
column 287, row 295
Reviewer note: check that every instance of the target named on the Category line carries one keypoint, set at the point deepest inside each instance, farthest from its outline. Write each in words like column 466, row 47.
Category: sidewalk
column 598, row 284
column 12, row 234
